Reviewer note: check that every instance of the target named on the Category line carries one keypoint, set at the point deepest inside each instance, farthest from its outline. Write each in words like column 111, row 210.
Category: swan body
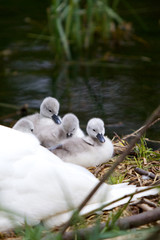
column 88, row 151
column 37, row 186
column 68, row 128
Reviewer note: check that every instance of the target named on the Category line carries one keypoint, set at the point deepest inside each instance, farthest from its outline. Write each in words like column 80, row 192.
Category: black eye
column 49, row 110
column 94, row 130
column 31, row 130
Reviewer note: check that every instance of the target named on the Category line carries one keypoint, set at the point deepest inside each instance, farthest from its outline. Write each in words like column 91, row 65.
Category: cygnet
column 47, row 120
column 88, row 151
column 24, row 125
column 69, row 128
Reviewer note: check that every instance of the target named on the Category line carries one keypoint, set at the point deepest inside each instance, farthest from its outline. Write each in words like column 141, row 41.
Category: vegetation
column 77, row 27
column 116, row 178
column 40, row 233
column 143, row 152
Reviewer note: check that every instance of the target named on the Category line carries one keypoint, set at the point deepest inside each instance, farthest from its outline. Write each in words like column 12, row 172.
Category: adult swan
column 37, row 186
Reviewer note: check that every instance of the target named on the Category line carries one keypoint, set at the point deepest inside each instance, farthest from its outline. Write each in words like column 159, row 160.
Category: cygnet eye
column 94, row 130
column 31, row 130
column 49, row 110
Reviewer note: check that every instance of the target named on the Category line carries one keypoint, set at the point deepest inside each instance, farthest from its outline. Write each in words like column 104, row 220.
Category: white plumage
column 47, row 120
column 24, row 125
column 38, row 186
column 68, row 128
column 70, row 125
column 88, row 151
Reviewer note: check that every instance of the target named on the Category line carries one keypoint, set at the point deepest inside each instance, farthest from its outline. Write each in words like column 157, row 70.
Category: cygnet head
column 70, row 124
column 95, row 129
column 24, row 125
column 50, row 108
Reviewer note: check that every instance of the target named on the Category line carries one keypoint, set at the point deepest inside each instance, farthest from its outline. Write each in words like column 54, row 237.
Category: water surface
column 123, row 91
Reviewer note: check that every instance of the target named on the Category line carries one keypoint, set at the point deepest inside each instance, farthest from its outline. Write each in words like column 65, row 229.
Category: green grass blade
column 113, row 15
column 63, row 39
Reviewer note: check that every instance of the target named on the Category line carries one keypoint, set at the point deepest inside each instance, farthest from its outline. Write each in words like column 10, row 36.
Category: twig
column 149, row 174
column 9, row 234
column 138, row 130
column 139, row 219
column 119, row 199
column 123, row 224
column 100, row 168
column 144, row 207
column 152, row 118
column 123, row 143
column 152, row 204
column 139, row 179
column 138, row 201
column 156, row 183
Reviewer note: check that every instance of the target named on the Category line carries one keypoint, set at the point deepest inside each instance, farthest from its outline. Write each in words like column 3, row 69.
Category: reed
column 77, row 27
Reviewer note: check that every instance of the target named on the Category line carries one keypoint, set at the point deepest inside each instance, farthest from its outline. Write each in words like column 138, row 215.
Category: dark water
column 123, row 91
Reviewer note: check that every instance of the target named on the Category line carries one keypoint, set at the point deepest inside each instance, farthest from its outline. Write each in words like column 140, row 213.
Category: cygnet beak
column 69, row 135
column 56, row 119
column 100, row 137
